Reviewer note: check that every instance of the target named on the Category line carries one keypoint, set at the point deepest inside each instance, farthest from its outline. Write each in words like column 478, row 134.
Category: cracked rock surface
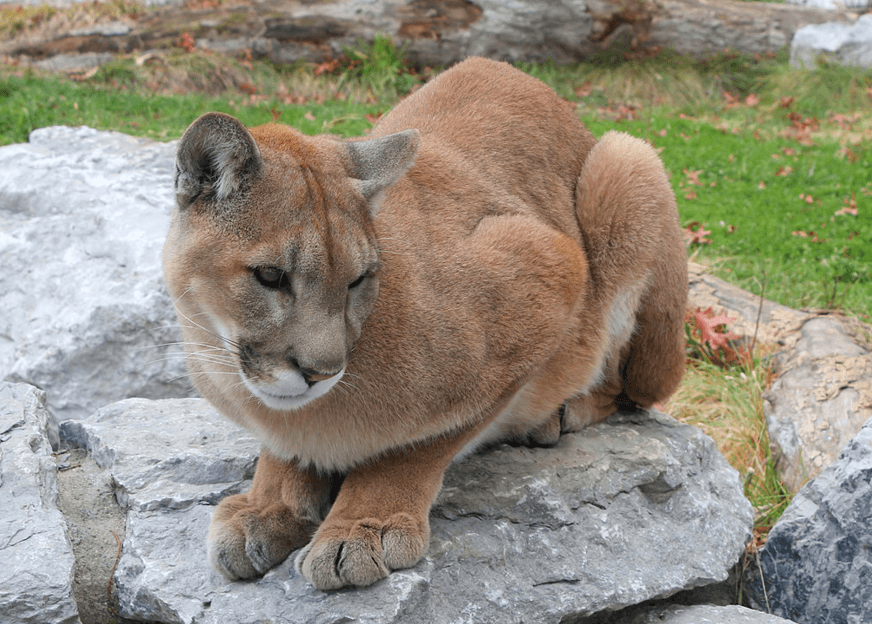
column 36, row 558
column 636, row 508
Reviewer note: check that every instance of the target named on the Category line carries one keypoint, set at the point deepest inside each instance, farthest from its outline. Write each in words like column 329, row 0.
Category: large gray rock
column 699, row 614
column 632, row 509
column 820, row 399
column 833, row 5
column 817, row 562
column 842, row 43
column 83, row 216
column 36, row 559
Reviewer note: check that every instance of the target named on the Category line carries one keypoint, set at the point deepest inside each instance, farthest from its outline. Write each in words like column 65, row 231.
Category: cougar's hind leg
column 629, row 224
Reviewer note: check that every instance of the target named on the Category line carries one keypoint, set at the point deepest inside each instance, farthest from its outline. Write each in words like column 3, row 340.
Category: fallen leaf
column 713, row 328
column 695, row 232
column 752, row 100
column 846, row 152
column 850, row 207
column 784, row 171
column 309, row 116
column 584, row 90
column 693, row 176
column 762, row 185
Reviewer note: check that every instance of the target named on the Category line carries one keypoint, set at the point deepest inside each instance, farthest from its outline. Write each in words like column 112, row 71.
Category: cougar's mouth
column 292, row 390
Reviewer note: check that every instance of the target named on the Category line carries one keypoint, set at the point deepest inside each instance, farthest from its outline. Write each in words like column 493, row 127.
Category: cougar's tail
column 638, row 266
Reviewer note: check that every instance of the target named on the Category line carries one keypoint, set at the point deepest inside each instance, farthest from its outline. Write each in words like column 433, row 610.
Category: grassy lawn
column 771, row 166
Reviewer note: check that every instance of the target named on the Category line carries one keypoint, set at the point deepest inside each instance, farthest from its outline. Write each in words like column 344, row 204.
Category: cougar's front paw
column 362, row 552
column 246, row 540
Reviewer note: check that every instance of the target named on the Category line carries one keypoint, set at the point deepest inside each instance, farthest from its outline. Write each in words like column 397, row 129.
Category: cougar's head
column 272, row 258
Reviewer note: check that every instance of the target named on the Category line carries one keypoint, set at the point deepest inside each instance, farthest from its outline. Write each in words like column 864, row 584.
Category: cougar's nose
column 311, row 376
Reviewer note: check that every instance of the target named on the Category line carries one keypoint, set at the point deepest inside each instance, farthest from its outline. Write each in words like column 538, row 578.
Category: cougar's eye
column 357, row 282
column 271, row 277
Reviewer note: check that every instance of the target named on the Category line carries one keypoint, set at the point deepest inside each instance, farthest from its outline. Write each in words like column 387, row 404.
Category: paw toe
column 364, row 553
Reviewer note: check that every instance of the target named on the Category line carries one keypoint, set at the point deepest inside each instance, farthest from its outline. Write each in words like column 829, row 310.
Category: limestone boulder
column 820, row 399
column 633, row 509
column 817, row 563
column 83, row 217
column 848, row 44
column 36, row 557
column 832, row 5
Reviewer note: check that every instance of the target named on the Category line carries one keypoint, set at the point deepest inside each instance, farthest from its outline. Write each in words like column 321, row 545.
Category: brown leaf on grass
column 784, row 171
column 309, row 116
column 693, row 176
column 584, row 90
column 845, row 122
column 845, row 152
column 811, row 235
column 730, row 99
column 690, row 195
column 808, row 199
column 762, row 185
column 328, row 67
column 850, row 207
column 786, row 102
column 695, row 233
column 752, row 100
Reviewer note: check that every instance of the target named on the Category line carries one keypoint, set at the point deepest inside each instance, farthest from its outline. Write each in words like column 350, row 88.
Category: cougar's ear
column 214, row 158
column 378, row 163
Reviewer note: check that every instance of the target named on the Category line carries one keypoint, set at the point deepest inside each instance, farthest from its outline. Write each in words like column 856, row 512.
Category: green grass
column 746, row 143
column 32, row 101
column 772, row 160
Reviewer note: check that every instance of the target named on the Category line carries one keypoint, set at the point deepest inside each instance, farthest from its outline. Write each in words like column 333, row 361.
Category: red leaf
column 695, row 232
column 693, row 177
column 709, row 324
column 850, row 207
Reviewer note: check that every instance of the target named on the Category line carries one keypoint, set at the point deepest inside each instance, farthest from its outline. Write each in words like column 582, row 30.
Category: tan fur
column 478, row 268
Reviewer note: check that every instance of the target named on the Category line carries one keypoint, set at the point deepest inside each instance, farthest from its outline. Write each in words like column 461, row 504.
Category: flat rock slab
column 36, row 558
column 632, row 509
column 700, row 614
column 83, row 217
column 817, row 562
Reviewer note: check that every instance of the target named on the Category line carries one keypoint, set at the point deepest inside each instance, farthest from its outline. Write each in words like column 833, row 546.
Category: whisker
column 195, row 324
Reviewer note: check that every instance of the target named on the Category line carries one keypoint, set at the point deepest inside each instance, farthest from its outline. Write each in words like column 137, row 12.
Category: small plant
column 380, row 66
column 722, row 395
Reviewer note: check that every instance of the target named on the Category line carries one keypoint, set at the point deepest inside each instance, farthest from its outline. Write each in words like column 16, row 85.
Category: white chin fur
column 290, row 391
